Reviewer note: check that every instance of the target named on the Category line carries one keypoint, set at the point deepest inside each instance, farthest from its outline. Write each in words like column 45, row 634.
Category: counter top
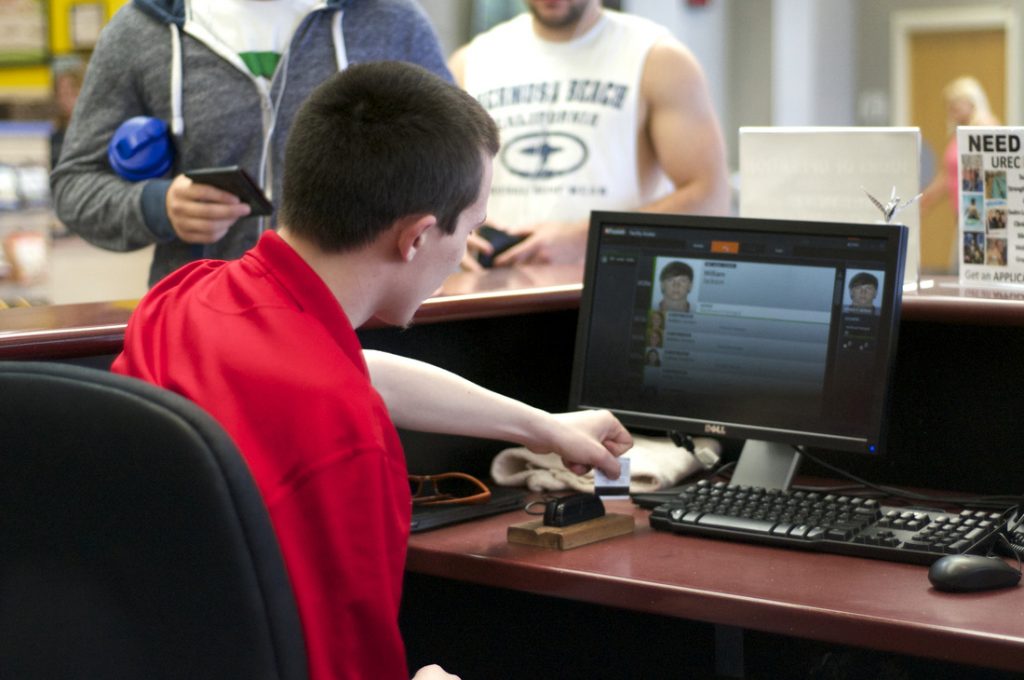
column 941, row 299
column 833, row 598
column 96, row 328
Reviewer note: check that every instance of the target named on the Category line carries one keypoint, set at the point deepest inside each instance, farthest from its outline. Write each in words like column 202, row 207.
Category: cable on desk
column 993, row 501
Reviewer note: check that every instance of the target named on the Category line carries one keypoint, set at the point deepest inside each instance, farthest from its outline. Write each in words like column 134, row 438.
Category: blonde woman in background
column 966, row 104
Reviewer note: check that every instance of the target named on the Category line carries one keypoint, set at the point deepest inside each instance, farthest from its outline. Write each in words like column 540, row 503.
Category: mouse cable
column 1014, row 522
column 881, row 491
column 995, row 501
column 683, row 441
column 1014, row 549
column 989, row 502
column 723, row 470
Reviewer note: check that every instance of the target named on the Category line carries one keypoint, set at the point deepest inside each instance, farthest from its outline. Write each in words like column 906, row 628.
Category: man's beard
column 571, row 18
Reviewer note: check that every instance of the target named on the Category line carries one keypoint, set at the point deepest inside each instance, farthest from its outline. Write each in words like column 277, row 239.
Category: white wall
column 451, row 19
column 813, row 62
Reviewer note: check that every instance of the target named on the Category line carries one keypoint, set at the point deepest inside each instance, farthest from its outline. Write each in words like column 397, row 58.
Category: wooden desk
column 845, row 600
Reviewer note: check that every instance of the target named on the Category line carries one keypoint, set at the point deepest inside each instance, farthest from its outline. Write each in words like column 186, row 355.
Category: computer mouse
column 967, row 573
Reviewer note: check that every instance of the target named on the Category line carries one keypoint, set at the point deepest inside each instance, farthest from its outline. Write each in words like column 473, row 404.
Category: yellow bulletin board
column 73, row 25
column 71, row 17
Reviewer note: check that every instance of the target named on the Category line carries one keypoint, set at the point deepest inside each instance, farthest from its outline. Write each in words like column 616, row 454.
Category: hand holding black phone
column 237, row 181
column 499, row 240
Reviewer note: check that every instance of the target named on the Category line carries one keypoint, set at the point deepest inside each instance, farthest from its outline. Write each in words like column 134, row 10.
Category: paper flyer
column 991, row 208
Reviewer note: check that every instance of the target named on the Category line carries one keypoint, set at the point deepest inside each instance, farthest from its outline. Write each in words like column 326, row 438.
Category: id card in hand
column 613, row 488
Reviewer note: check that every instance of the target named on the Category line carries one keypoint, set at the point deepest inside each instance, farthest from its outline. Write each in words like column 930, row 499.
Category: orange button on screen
column 729, row 247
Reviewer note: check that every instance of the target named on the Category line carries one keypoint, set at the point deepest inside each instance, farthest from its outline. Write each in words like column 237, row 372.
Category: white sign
column 990, row 164
column 822, row 173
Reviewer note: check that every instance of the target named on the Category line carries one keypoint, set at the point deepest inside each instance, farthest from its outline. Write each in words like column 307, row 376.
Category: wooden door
column 936, row 58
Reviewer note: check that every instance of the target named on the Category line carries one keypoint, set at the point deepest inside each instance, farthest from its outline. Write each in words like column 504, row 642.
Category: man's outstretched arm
column 426, row 398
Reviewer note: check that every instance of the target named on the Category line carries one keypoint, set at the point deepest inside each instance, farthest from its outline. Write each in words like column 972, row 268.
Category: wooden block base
column 565, row 538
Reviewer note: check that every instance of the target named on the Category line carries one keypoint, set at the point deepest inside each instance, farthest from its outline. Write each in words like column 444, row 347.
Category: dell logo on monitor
column 709, row 428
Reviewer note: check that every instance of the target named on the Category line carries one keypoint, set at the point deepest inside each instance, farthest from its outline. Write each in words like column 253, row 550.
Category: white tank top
column 568, row 114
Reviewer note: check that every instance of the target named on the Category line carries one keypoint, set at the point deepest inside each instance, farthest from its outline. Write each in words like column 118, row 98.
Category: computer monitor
column 780, row 332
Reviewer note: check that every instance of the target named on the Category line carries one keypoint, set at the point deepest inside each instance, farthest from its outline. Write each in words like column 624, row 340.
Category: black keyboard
column 848, row 525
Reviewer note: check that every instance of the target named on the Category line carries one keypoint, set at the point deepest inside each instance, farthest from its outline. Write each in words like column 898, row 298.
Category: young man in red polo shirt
column 387, row 171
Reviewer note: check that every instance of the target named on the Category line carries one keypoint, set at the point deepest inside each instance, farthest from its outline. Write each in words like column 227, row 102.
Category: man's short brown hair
column 378, row 142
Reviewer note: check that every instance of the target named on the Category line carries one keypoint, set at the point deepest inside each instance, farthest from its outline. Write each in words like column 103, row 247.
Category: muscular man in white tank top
column 598, row 111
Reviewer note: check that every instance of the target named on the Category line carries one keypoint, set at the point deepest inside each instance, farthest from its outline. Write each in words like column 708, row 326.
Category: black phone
column 234, row 180
column 500, row 240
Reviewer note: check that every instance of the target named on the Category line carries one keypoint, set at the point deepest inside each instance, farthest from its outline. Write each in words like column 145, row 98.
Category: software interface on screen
column 762, row 329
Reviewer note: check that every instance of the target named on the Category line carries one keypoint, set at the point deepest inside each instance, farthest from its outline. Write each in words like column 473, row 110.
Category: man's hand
column 585, row 440
column 547, row 243
column 201, row 213
column 475, row 245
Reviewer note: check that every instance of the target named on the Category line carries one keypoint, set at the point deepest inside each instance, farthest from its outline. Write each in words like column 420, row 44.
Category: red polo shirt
column 262, row 345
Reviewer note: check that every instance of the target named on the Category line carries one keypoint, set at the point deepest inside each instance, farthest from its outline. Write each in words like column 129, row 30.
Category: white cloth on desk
column 655, row 463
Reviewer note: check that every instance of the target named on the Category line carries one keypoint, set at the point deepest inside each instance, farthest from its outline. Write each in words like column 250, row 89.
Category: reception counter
column 954, row 416
column 97, row 328
column 91, row 329
column 954, row 424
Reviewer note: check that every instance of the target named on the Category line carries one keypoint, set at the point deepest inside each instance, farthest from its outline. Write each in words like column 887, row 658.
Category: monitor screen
column 780, row 332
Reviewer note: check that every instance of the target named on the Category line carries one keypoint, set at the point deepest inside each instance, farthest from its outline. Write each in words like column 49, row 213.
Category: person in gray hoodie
column 180, row 61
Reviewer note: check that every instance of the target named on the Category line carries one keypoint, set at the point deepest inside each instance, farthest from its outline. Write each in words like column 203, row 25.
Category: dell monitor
column 779, row 332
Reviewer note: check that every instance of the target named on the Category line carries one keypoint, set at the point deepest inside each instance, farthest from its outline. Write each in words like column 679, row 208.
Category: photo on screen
column 862, row 291
column 677, row 286
column 753, row 326
column 655, row 328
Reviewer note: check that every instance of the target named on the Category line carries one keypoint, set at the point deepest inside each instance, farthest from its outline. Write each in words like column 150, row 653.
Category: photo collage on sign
column 983, row 204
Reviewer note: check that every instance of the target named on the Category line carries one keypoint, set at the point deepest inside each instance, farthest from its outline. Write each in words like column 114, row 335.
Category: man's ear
column 413, row 230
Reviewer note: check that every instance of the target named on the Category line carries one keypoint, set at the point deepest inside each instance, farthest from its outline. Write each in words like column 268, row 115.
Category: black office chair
column 133, row 541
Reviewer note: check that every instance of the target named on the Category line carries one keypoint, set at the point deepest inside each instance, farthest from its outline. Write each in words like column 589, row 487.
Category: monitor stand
column 768, row 464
